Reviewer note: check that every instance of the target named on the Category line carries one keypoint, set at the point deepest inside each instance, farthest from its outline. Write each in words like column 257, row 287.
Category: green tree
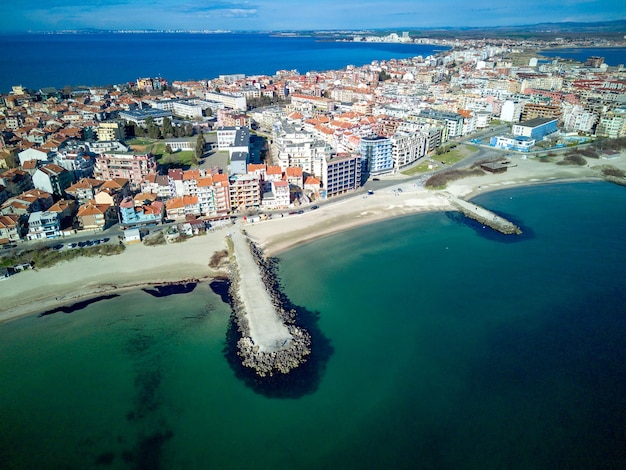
column 167, row 129
column 200, row 144
column 208, row 112
column 168, row 149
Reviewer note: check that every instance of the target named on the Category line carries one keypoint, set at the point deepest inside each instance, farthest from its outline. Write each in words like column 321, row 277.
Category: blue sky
column 52, row 15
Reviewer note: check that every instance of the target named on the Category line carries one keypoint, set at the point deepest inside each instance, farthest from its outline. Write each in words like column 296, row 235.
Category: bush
column 217, row 258
column 440, row 180
column 612, row 171
column 573, row 160
column 157, row 239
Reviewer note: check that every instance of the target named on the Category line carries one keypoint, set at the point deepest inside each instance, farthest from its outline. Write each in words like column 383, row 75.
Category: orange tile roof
column 205, row 182
column 294, row 171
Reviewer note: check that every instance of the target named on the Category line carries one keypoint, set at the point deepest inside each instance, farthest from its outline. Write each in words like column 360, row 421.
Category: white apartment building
column 407, row 147
column 292, row 146
column 511, row 111
column 229, row 101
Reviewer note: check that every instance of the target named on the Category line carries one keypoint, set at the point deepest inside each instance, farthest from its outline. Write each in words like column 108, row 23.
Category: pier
column 484, row 216
column 269, row 341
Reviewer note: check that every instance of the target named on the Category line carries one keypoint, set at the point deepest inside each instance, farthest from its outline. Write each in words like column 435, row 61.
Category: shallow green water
column 451, row 348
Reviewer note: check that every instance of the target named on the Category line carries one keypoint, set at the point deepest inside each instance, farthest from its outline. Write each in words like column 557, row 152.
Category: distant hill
column 601, row 29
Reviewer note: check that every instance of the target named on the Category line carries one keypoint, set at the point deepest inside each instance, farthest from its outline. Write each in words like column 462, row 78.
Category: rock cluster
column 286, row 357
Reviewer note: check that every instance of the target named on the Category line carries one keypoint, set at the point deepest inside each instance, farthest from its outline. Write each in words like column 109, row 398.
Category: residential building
column 30, row 201
column 221, row 187
column 43, row 224
column 453, row 121
column 92, row 216
column 16, row 181
column 376, row 155
column 133, row 215
column 229, row 101
column 111, row 130
column 511, row 111
column 178, row 208
column 10, row 228
column 84, row 190
column 239, row 163
column 32, row 154
column 156, row 184
column 134, row 167
column 233, row 139
column 278, row 196
column 342, row 173
column 535, row 110
column 53, row 179
column 407, row 147
column 612, row 124
column 245, row 192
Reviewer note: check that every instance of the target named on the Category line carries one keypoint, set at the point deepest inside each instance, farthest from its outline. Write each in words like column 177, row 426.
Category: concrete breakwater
column 484, row 216
column 270, row 342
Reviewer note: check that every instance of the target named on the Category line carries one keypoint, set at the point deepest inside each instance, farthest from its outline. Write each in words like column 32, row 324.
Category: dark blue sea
column 613, row 56
column 38, row 60
column 438, row 345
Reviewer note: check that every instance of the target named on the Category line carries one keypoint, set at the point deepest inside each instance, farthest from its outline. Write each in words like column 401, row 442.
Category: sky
column 275, row 15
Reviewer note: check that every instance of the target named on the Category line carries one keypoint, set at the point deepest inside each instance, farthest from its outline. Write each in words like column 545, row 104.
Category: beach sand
column 36, row 291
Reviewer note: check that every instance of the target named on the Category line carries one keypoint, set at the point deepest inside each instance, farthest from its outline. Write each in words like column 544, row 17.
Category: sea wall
column 294, row 351
column 484, row 216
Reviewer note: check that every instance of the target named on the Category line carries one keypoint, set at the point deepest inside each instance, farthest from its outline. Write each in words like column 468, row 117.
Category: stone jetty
column 269, row 342
column 484, row 216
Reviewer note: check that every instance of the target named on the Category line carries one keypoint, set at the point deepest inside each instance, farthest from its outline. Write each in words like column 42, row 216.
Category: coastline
column 139, row 266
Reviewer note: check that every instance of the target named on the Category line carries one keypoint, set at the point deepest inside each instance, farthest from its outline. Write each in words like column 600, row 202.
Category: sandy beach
column 32, row 292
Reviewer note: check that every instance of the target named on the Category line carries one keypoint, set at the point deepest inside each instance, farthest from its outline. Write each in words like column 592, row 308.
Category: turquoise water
column 451, row 348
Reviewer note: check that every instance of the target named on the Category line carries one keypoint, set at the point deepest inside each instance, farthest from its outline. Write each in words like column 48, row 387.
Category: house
column 92, row 216
column 43, row 224
column 10, row 228
column 144, row 213
column 32, row 154
column 177, row 208
column 16, row 181
column 278, row 197
column 112, row 191
column 66, row 210
column 84, row 190
column 132, row 235
column 156, row 184
column 53, row 179
column 31, row 201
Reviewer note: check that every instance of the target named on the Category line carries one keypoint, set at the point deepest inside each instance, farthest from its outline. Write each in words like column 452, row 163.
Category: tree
column 208, row 112
column 167, row 129
column 200, row 144
column 168, row 149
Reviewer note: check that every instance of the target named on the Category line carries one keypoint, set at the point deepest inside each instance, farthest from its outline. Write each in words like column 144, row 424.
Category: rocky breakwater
column 270, row 342
column 484, row 216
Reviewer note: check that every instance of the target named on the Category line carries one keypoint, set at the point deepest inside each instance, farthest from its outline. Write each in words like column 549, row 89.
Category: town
column 193, row 154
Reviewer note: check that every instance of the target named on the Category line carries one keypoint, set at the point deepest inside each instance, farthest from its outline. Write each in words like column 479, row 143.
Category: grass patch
column 421, row 168
column 47, row 257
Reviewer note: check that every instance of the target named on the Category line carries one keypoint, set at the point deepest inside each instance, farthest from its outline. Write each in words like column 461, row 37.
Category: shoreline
column 141, row 266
